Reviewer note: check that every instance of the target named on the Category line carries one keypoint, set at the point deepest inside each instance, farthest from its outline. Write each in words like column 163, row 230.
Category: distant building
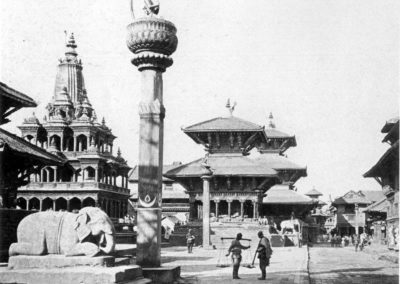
column 386, row 173
column 350, row 218
column 93, row 176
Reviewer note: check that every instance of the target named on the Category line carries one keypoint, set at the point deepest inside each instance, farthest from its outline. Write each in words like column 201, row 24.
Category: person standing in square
column 264, row 254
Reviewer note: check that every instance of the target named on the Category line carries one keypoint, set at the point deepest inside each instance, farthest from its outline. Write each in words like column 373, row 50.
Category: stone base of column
column 149, row 237
column 164, row 274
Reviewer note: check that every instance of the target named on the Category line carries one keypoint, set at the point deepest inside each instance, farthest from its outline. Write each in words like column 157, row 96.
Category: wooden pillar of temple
column 229, row 208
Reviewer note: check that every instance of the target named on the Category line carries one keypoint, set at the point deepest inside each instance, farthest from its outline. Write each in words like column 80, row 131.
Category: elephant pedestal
column 58, row 261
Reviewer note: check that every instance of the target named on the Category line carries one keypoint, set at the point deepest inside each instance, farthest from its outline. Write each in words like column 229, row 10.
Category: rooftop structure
column 386, row 173
column 93, row 175
column 238, row 181
column 18, row 158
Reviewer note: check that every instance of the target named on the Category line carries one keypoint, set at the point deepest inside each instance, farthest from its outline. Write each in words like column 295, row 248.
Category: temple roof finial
column 103, row 121
column 271, row 121
column 230, row 107
column 71, row 45
column 119, row 152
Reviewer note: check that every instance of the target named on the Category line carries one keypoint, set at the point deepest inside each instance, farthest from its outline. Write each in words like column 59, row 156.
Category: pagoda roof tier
column 230, row 123
column 11, row 100
column 389, row 124
column 224, row 165
column 390, row 157
column 278, row 162
column 393, row 134
column 288, row 171
column 313, row 192
column 281, row 194
column 22, row 147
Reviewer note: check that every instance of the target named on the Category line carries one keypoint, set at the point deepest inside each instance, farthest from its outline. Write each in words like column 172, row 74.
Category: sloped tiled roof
column 391, row 154
column 224, row 165
column 360, row 197
column 230, row 123
column 389, row 124
column 313, row 192
column 14, row 95
column 275, row 133
column 284, row 195
column 24, row 147
column 373, row 195
column 378, row 206
column 279, row 162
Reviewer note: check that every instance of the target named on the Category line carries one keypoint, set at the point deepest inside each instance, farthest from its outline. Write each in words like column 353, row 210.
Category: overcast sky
column 328, row 70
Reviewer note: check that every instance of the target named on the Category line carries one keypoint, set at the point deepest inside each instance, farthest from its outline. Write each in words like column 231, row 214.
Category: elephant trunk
column 110, row 244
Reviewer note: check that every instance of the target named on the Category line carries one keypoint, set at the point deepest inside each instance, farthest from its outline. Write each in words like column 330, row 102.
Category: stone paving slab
column 344, row 265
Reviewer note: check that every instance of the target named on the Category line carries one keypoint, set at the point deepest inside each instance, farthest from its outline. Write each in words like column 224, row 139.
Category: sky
column 327, row 70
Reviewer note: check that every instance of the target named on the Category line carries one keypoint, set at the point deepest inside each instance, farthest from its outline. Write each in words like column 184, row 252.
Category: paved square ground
column 288, row 265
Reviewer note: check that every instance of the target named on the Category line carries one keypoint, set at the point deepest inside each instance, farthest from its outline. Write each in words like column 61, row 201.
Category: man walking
column 236, row 250
column 190, row 240
column 264, row 254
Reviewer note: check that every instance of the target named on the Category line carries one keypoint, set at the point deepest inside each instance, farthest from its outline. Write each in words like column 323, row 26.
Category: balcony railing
column 85, row 185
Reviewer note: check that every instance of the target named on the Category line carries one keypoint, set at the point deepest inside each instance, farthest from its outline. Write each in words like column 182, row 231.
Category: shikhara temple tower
column 93, row 176
column 238, row 182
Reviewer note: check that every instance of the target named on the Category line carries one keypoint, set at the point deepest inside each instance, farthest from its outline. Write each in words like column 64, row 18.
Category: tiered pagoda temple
column 93, row 176
column 238, row 183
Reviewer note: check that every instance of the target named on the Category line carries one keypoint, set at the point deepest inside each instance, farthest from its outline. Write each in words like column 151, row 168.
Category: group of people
column 359, row 241
column 264, row 252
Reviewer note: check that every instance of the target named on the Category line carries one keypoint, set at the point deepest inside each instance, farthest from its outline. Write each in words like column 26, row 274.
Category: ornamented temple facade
column 92, row 176
column 238, row 183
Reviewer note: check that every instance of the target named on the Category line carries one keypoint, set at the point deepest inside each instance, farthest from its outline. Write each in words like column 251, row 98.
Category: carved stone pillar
column 68, row 205
column 229, row 207
column 40, row 204
column 27, row 203
column 216, row 208
column 241, row 208
column 152, row 40
column 206, row 210
column 192, row 209
column 254, row 209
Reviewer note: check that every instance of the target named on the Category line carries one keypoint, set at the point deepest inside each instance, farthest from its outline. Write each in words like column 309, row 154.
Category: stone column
column 75, row 146
column 241, row 208
column 27, row 203
column 254, row 209
column 356, row 221
column 54, row 205
column 216, row 208
column 206, row 210
column 40, row 204
column 229, row 208
column 152, row 40
column 62, row 142
column 68, row 205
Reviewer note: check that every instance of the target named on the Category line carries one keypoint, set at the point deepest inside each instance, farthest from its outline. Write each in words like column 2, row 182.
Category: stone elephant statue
column 87, row 233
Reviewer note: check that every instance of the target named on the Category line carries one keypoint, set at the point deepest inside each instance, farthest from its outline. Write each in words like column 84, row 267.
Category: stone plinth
column 57, row 261
column 68, row 275
column 168, row 274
